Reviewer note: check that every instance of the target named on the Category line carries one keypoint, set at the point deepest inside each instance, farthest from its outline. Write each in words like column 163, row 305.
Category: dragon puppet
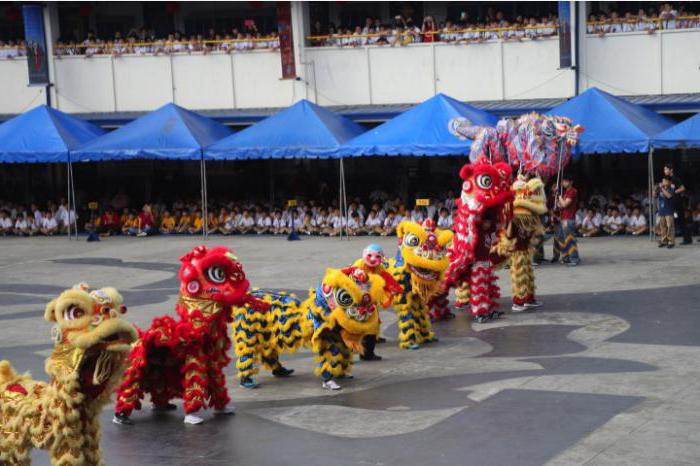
column 420, row 269
column 333, row 321
column 185, row 357
column 534, row 145
column 91, row 341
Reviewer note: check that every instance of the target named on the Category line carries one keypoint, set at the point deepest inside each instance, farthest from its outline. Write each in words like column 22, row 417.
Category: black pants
column 686, row 229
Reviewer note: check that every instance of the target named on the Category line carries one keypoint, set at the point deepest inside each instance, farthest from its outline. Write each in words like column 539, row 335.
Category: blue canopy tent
column 613, row 125
column 303, row 130
column 684, row 135
column 420, row 131
column 168, row 133
column 45, row 135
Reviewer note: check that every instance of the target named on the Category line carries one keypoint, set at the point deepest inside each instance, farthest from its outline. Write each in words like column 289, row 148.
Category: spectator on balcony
column 629, row 23
column 668, row 16
column 645, row 23
column 428, row 29
column 615, row 22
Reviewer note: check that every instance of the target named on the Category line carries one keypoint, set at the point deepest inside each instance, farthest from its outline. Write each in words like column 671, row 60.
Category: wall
column 632, row 63
column 666, row 62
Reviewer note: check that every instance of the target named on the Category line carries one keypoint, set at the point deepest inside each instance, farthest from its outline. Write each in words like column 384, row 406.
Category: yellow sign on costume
column 422, row 202
column 292, row 203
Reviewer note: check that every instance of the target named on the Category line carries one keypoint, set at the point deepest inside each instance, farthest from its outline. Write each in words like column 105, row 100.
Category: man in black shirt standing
column 679, row 203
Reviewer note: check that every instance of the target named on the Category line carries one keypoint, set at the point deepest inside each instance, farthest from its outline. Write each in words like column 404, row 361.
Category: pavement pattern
column 606, row 373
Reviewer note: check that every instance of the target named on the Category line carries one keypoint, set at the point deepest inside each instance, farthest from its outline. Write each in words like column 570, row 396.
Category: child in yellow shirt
column 185, row 223
column 130, row 226
column 213, row 225
column 167, row 224
column 197, row 224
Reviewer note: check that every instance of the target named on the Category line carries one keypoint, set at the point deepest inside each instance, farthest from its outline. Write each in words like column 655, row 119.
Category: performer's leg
column 195, row 383
column 368, row 343
column 440, row 307
column 329, row 357
column 462, row 294
column 425, row 328
column 407, row 326
column 569, row 245
column 494, row 293
column 480, row 285
column 130, row 392
column 247, row 351
column 519, row 279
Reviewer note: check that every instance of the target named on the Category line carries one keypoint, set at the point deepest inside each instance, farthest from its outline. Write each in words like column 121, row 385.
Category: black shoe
column 481, row 318
column 687, row 241
column 370, row 357
column 282, row 372
column 662, row 245
column 165, row 407
column 381, row 340
column 554, row 260
column 671, row 246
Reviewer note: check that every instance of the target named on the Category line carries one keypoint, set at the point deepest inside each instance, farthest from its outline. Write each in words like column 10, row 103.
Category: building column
column 301, row 27
column 580, row 38
column 51, row 29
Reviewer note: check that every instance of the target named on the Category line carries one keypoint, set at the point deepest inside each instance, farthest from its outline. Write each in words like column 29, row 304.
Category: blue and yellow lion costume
column 332, row 321
column 419, row 268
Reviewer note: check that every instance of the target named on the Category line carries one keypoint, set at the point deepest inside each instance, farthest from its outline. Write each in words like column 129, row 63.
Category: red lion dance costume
column 185, row 357
column 482, row 210
column 534, row 144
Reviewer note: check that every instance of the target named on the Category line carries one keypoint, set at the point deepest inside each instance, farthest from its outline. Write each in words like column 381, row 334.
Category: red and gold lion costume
column 483, row 209
column 185, row 357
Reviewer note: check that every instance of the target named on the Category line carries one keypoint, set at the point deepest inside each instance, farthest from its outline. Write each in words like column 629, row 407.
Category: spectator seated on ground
column 444, row 221
column 590, row 225
column 131, row 225
column 167, row 224
column 246, row 224
column 184, row 224
column 636, row 223
column 6, row 225
column 615, row 223
column 696, row 219
column 373, row 224
column 213, row 225
column 197, row 224
column 49, row 226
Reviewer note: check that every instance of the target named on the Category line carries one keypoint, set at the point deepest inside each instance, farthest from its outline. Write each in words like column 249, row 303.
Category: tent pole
column 345, row 198
column 72, row 188
column 68, row 196
column 652, row 210
column 202, row 176
column 340, row 195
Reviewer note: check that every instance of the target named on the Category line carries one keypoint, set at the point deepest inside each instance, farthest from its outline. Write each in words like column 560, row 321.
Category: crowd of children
column 53, row 220
column 597, row 216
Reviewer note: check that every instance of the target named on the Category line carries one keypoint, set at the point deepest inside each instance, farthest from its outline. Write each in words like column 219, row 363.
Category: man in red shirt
column 109, row 223
column 566, row 230
column 145, row 221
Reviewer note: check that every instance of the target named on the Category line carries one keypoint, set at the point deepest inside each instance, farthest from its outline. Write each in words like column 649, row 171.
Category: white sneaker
column 192, row 419
column 225, row 410
column 142, row 234
column 518, row 308
column 533, row 305
column 331, row 385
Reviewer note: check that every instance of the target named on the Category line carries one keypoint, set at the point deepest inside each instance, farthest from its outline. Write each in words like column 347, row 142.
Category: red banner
column 284, row 26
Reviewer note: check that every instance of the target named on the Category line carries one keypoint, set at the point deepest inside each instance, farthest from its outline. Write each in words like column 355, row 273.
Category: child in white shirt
column 615, row 224
column 637, row 223
column 590, row 225
column 264, row 224
column 444, row 220
column 49, row 225
column 373, row 224
column 390, row 223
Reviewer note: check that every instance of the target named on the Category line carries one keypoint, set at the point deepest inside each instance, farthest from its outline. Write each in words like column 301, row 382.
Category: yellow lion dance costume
column 419, row 268
column 62, row 416
column 332, row 321
column 519, row 240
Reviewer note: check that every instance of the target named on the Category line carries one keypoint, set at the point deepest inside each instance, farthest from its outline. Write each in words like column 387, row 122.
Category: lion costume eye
column 216, row 274
column 73, row 313
column 484, row 181
column 411, row 240
column 343, row 298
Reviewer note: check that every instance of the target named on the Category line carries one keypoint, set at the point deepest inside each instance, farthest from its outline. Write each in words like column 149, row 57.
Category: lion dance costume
column 185, row 358
column 419, row 268
column 519, row 238
column 333, row 321
column 482, row 211
column 534, row 144
column 62, row 416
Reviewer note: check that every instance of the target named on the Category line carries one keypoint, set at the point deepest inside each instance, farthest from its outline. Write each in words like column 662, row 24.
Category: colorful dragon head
column 529, row 197
column 425, row 254
column 352, row 295
column 91, row 336
column 485, row 185
column 213, row 275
